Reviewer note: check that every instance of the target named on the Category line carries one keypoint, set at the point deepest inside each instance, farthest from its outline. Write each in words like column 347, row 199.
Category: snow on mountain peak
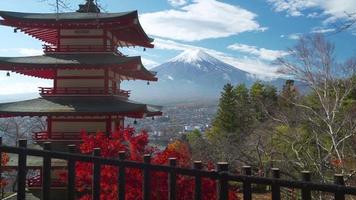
column 194, row 56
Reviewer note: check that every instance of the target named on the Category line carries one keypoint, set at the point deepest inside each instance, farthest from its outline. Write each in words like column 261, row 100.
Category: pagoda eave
column 75, row 106
column 125, row 114
column 124, row 26
column 45, row 66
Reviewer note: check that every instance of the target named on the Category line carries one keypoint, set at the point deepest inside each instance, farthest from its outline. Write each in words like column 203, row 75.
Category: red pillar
column 55, row 81
column 108, row 124
column 49, row 127
column 106, row 81
column 105, row 36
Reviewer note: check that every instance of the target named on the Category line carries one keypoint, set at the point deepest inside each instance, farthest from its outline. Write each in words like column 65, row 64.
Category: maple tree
column 4, row 160
column 136, row 145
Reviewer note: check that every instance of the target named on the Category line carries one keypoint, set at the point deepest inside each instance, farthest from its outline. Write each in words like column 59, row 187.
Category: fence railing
column 221, row 175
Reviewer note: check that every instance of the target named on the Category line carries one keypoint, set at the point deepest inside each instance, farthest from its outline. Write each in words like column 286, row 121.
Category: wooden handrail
column 221, row 175
column 44, row 135
column 47, row 91
column 36, row 181
column 80, row 48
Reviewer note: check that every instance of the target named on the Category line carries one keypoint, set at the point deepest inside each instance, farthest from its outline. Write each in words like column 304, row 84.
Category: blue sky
column 245, row 34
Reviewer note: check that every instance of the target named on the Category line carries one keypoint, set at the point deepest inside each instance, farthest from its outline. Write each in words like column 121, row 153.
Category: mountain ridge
column 193, row 75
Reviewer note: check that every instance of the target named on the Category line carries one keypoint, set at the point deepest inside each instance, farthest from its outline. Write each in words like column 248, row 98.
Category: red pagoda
column 81, row 56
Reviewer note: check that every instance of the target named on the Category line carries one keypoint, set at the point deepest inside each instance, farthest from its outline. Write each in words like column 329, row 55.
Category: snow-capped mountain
column 192, row 75
column 194, row 56
column 200, row 68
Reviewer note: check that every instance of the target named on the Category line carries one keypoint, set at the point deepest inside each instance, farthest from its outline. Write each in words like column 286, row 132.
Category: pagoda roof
column 73, row 106
column 125, row 26
column 41, row 17
column 44, row 66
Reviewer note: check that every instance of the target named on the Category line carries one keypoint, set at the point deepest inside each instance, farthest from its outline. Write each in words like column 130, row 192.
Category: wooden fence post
column 247, row 187
column 96, row 176
column 46, row 173
column 71, row 174
column 339, row 180
column 122, row 177
column 306, row 194
column 146, row 187
column 223, row 183
column 276, row 190
column 172, row 180
column 198, row 165
column 22, row 171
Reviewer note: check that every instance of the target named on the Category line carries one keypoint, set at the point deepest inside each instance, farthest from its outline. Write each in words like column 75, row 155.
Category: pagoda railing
column 36, row 182
column 65, row 136
column 44, row 91
column 221, row 175
column 79, row 49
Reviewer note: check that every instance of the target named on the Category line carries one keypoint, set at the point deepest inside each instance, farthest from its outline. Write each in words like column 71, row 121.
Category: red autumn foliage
column 4, row 160
column 136, row 145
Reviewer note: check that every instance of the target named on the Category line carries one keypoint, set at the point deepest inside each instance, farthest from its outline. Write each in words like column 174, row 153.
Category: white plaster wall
column 58, row 126
column 82, row 32
column 85, row 73
column 80, row 83
column 85, row 41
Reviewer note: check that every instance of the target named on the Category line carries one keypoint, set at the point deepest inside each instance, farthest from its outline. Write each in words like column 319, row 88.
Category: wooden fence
column 221, row 175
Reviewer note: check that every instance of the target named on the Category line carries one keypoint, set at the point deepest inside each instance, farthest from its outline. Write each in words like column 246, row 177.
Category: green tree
column 263, row 99
column 225, row 120
column 270, row 99
column 244, row 116
column 256, row 93
column 288, row 94
column 330, row 126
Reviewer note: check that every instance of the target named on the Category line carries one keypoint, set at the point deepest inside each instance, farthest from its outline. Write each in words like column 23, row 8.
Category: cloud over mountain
column 266, row 54
column 192, row 75
column 258, row 67
column 202, row 19
column 177, row 2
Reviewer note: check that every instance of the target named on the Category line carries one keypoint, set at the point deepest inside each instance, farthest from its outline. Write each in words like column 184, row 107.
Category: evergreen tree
column 270, row 94
column 257, row 97
column 270, row 100
column 225, row 121
column 244, row 119
column 288, row 94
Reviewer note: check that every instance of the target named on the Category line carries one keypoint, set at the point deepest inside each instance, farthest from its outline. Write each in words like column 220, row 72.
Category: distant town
column 177, row 120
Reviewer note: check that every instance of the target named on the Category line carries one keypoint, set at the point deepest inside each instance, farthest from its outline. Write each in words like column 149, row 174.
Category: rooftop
column 56, row 106
column 46, row 64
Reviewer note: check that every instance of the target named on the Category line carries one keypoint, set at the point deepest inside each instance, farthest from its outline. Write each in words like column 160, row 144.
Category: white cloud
column 322, row 30
column 149, row 64
column 202, row 19
column 262, row 53
column 331, row 9
column 254, row 66
column 177, row 2
column 295, row 36
column 21, row 84
column 314, row 15
column 21, row 51
column 30, row 52
column 292, row 7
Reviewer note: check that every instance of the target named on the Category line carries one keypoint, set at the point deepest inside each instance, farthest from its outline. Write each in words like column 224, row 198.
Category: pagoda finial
column 88, row 7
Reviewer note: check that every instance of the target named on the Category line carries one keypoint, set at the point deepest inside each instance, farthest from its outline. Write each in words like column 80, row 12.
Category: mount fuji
column 199, row 68
column 192, row 75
